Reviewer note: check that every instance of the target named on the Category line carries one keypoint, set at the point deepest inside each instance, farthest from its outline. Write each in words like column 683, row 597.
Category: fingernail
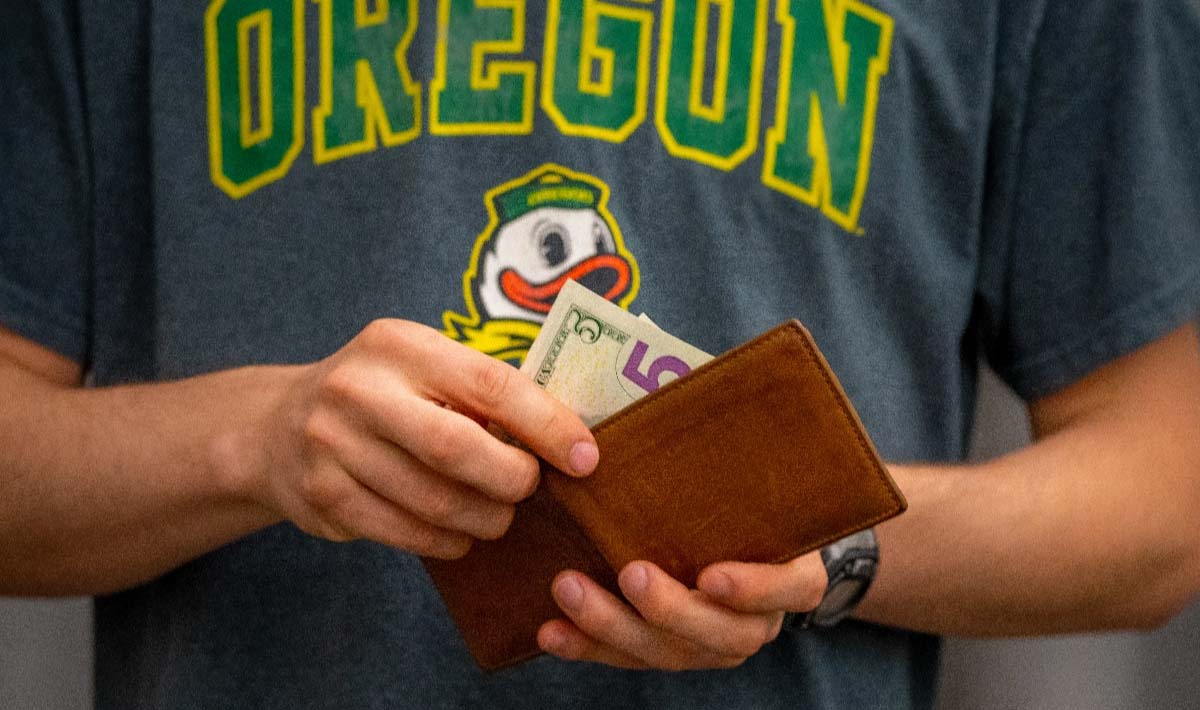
column 569, row 593
column 584, row 457
column 718, row 584
column 636, row 579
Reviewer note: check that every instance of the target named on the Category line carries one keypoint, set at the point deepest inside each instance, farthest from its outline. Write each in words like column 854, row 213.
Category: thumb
column 796, row 585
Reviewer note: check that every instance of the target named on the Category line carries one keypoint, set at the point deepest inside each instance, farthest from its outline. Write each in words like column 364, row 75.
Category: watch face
column 843, row 595
column 851, row 564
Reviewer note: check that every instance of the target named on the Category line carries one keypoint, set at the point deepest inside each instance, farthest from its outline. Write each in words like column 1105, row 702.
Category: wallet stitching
column 848, row 419
column 834, row 537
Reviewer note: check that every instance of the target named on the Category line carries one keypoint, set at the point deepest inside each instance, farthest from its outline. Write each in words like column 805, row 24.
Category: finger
column 615, row 627
column 403, row 480
column 444, row 440
column 468, row 379
column 342, row 509
column 796, row 585
column 563, row 639
column 669, row 605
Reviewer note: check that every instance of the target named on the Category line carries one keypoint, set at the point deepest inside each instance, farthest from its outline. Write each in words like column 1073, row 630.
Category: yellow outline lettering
column 818, row 193
column 485, row 76
column 364, row 17
column 758, row 60
column 592, row 52
column 248, row 135
column 376, row 126
column 216, row 168
column 593, row 10
column 714, row 112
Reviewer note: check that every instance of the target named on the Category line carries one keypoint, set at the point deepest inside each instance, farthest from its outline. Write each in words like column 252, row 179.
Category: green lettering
column 472, row 92
column 721, row 130
column 596, row 68
column 367, row 91
column 819, row 150
column 254, row 52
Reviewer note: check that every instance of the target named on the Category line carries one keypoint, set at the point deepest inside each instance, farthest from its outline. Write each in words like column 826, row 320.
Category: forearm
column 1092, row 528
column 101, row 489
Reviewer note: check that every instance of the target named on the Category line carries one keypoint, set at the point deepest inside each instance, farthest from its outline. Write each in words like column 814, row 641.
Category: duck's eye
column 600, row 239
column 552, row 246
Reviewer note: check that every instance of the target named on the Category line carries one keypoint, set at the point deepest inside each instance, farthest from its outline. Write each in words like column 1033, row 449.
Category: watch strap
column 852, row 559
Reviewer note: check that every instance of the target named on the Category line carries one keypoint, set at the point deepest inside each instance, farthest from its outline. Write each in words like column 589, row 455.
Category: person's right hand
column 382, row 441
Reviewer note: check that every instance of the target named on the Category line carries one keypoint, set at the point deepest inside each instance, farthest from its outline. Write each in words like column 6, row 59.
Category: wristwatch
column 851, row 563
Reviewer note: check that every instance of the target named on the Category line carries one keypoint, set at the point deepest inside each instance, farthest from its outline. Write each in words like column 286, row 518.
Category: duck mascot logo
column 545, row 227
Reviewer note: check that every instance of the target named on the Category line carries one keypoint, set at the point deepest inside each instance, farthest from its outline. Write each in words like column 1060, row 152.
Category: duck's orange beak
column 605, row 274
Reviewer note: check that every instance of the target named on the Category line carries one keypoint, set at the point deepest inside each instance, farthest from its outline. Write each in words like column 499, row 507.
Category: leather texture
column 499, row 593
column 756, row 456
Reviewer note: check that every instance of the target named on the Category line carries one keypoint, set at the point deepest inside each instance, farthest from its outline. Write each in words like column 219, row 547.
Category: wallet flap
column 756, row 456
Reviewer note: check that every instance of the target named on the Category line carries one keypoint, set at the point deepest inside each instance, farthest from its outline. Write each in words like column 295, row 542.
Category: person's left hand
column 737, row 608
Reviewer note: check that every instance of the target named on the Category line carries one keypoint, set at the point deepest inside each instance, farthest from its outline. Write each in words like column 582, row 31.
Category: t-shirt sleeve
column 1092, row 230
column 44, row 179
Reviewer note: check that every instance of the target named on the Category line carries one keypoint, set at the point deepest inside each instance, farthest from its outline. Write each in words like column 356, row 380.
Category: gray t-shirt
column 191, row 188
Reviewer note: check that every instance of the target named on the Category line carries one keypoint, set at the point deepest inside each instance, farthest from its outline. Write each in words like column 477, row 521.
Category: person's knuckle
column 319, row 432
column 421, row 335
column 342, row 384
column 444, row 443
column 530, row 477
column 317, row 491
column 658, row 611
column 492, row 382
column 383, row 333
column 521, row 482
column 497, row 522
column 555, row 420
column 444, row 505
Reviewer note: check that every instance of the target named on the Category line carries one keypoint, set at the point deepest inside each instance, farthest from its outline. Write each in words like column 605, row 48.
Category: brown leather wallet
column 756, row 456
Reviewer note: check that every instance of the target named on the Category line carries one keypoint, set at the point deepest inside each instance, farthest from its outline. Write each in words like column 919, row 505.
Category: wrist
column 241, row 447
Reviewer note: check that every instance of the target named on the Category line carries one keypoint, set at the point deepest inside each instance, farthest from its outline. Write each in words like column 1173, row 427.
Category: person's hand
column 385, row 440
column 737, row 608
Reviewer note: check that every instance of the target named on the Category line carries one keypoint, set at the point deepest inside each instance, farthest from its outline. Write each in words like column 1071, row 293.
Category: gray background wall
column 45, row 646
